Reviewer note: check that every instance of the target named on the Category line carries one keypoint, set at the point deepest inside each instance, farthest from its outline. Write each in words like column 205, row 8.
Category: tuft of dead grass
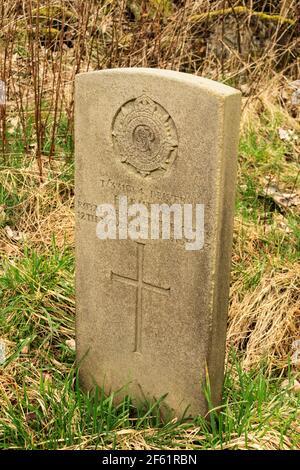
column 45, row 209
column 265, row 321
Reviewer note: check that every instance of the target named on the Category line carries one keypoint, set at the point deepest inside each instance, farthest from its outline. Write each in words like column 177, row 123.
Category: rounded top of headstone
column 211, row 86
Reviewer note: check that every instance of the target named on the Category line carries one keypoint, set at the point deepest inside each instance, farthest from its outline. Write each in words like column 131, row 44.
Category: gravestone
column 151, row 307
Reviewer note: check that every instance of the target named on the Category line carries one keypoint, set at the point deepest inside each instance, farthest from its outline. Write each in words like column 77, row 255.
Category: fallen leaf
column 9, row 231
column 295, row 84
column 291, row 385
column 283, row 134
column 282, row 199
column 296, row 93
column 286, row 199
column 295, row 98
column 270, row 189
column 14, row 123
column 296, row 354
column 287, row 135
column 71, row 344
column 245, row 89
column 14, row 235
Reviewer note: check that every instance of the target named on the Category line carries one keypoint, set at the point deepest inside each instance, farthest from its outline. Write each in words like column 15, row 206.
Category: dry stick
column 57, row 92
column 50, row 24
column 83, row 23
column 22, row 113
column 185, row 31
column 20, row 108
column 85, row 29
column 140, row 49
column 121, row 17
column 97, row 50
column 77, row 46
column 237, row 27
column 35, row 74
column 93, row 28
column 79, row 54
column 157, row 36
column 7, row 73
column 148, row 29
column 276, row 39
column 87, row 50
column 3, row 78
column 117, row 31
column 144, row 32
column 39, row 128
column 137, row 45
column 222, row 40
column 3, row 118
column 3, row 130
column 42, row 92
column 82, row 36
column 175, row 36
column 113, row 39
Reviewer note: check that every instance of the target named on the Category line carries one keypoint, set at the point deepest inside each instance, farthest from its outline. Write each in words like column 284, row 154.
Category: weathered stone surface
column 151, row 315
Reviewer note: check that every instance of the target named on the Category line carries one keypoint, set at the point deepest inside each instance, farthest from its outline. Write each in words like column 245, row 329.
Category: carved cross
column 139, row 284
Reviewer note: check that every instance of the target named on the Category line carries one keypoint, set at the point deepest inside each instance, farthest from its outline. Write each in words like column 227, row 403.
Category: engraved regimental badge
column 145, row 136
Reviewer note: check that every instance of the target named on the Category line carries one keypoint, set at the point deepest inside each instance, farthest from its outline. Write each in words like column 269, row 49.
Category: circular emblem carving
column 145, row 136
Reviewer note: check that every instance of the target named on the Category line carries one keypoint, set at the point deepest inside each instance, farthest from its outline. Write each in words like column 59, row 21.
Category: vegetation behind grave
column 253, row 46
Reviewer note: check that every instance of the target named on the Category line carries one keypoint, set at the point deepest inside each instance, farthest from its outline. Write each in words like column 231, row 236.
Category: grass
column 41, row 404
column 44, row 408
column 54, row 413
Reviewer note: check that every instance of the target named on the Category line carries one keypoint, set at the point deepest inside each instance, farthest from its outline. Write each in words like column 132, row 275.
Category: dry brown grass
column 264, row 322
column 46, row 208
column 41, row 50
column 45, row 43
